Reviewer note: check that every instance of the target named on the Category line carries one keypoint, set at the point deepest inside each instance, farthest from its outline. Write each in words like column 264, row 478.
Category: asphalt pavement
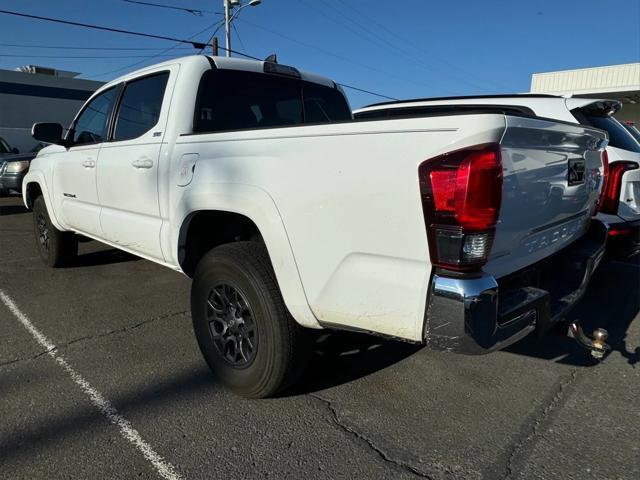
column 121, row 391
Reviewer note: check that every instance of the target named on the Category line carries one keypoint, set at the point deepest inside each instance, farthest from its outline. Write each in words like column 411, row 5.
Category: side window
column 140, row 106
column 92, row 123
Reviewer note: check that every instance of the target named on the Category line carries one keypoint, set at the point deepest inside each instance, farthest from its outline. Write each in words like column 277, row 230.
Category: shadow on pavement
column 341, row 357
column 12, row 210
column 103, row 257
column 23, row 442
column 612, row 301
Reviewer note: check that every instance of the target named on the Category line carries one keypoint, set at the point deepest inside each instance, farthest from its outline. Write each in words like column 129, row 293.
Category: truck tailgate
column 552, row 181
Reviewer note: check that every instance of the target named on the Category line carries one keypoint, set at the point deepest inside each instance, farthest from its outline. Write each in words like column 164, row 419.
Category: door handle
column 143, row 162
column 89, row 163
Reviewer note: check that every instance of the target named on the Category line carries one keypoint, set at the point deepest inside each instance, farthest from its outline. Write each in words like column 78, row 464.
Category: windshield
column 4, row 146
column 632, row 130
column 619, row 136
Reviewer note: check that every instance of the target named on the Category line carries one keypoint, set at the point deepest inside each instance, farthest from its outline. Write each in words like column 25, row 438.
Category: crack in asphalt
column 126, row 328
column 533, row 433
column 384, row 455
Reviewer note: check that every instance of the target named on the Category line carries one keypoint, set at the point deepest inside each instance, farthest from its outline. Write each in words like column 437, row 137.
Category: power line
column 178, row 42
column 376, row 38
column 413, row 45
column 331, row 54
column 176, row 45
column 82, row 56
column 72, row 47
column 107, row 29
column 233, row 25
column 367, row 91
column 192, row 11
column 219, row 26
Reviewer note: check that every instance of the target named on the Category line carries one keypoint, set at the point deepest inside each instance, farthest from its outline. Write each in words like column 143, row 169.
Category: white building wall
column 609, row 79
column 616, row 82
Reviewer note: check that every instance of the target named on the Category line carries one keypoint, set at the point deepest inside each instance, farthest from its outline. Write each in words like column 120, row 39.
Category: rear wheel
column 245, row 333
column 56, row 248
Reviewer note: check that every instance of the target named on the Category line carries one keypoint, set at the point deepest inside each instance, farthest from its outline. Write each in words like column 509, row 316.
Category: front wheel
column 56, row 248
column 245, row 333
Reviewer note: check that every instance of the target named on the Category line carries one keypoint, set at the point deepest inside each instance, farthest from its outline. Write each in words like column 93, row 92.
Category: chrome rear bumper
column 481, row 314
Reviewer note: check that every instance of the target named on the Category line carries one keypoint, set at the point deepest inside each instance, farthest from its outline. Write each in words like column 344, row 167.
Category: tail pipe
column 597, row 345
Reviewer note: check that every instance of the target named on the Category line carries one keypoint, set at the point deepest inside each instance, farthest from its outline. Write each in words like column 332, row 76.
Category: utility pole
column 228, row 17
column 227, row 26
column 214, row 46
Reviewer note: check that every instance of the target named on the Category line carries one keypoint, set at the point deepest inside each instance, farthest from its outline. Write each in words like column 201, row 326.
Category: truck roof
column 223, row 63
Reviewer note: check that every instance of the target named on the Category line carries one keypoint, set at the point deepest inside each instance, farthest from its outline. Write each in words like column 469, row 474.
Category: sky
column 408, row 49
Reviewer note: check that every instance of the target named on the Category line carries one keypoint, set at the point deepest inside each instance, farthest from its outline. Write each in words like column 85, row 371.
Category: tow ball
column 597, row 345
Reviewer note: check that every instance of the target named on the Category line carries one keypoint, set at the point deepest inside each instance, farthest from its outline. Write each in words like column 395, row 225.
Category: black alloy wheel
column 231, row 324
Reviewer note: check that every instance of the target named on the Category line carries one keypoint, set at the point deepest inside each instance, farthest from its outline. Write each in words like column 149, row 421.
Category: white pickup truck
column 252, row 178
column 620, row 202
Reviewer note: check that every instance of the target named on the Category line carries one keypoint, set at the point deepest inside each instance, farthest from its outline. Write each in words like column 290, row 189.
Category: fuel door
column 187, row 166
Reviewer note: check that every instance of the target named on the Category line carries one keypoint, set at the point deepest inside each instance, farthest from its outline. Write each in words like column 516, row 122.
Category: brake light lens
column 605, row 177
column 461, row 195
column 610, row 196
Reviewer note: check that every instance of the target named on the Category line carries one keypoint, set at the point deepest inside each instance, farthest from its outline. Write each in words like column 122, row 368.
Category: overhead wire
column 73, row 47
column 412, row 44
column 178, row 42
column 373, row 37
column 98, row 27
column 192, row 11
column 233, row 25
column 330, row 53
column 166, row 50
column 82, row 56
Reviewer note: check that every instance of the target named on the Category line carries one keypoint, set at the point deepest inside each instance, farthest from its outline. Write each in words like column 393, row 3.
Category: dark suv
column 13, row 167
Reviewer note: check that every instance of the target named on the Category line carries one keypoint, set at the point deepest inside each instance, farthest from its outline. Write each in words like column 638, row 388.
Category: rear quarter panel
column 348, row 198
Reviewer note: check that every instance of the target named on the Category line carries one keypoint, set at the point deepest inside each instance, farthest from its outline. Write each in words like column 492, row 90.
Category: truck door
column 74, row 171
column 127, row 174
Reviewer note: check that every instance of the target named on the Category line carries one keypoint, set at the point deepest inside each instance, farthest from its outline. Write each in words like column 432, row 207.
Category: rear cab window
column 619, row 137
column 239, row 100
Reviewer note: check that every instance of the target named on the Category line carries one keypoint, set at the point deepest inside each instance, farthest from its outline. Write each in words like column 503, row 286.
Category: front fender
column 257, row 205
column 38, row 177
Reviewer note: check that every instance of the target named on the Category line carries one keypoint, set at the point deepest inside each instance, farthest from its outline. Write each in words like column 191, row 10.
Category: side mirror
column 15, row 150
column 48, row 133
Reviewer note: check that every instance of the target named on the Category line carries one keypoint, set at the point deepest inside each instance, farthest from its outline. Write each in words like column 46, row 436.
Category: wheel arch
column 32, row 191
column 247, row 214
column 34, row 186
column 196, row 237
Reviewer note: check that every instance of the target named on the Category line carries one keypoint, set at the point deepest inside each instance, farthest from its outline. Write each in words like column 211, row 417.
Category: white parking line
column 164, row 469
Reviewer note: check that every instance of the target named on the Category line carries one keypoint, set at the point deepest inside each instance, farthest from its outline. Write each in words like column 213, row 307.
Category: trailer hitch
column 597, row 345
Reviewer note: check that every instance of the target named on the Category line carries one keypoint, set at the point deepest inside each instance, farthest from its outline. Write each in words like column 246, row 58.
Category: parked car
column 463, row 232
column 6, row 149
column 620, row 206
column 633, row 130
column 13, row 167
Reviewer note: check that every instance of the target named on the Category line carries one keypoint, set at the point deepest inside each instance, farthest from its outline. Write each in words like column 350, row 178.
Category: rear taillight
column 610, row 196
column 605, row 177
column 461, row 195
